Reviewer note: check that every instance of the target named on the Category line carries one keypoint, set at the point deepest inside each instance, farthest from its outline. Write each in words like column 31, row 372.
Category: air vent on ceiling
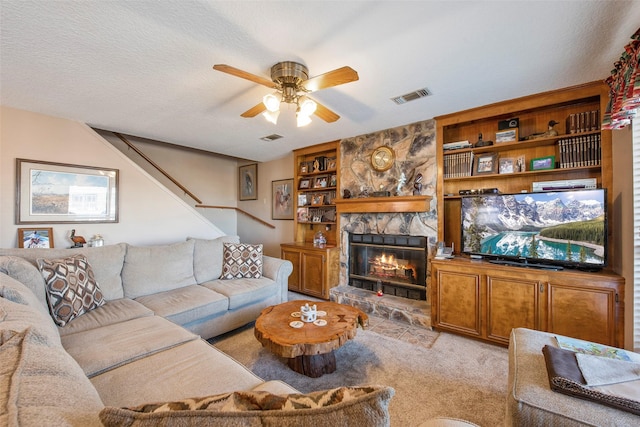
column 411, row 96
column 271, row 137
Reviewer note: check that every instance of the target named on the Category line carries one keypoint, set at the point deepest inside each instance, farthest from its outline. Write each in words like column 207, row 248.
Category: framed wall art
column 58, row 193
column 248, row 182
column 508, row 135
column 282, row 199
column 37, row 237
column 507, row 165
column 543, row 163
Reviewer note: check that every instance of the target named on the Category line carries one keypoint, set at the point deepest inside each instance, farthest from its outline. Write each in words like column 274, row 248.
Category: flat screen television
column 542, row 230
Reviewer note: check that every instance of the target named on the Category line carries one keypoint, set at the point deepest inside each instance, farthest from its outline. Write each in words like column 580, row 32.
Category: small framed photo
column 543, row 163
column 302, row 200
column 486, row 163
column 331, row 164
column 304, row 183
column 302, row 214
column 507, row 135
column 317, row 199
column 507, row 165
column 35, row 238
column 521, row 164
column 321, row 181
column 304, row 168
column 316, row 218
column 333, row 180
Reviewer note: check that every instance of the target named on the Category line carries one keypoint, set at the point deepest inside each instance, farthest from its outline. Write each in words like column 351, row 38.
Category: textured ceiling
column 144, row 68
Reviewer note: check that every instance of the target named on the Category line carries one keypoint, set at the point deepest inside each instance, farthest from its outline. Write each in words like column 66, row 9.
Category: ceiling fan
column 292, row 84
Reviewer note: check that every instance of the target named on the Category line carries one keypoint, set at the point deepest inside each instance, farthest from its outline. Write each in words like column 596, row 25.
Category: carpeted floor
column 453, row 376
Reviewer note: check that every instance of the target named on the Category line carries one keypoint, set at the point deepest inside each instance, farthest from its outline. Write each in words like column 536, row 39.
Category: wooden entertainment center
column 484, row 300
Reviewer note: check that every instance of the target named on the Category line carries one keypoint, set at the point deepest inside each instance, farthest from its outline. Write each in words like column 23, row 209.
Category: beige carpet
column 455, row 377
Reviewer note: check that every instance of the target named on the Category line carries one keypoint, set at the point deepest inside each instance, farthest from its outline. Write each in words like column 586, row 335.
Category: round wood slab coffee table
column 309, row 349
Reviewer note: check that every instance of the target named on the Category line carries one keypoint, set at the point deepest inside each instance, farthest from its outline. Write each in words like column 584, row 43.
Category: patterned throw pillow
column 71, row 287
column 242, row 261
column 359, row 406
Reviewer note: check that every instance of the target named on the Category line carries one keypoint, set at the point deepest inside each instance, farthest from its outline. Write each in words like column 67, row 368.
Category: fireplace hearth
column 389, row 264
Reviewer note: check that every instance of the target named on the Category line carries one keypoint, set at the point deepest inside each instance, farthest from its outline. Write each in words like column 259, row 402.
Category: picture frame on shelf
column 331, row 164
column 304, row 168
column 543, row 163
column 304, row 184
column 506, row 165
column 36, row 237
column 83, row 194
column 302, row 199
column 485, row 164
column 282, row 199
column 321, row 181
column 317, row 199
column 248, row 182
column 302, row 214
column 507, row 135
column 521, row 164
column 333, row 180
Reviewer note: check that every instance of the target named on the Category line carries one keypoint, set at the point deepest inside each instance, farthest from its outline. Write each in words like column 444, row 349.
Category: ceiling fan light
column 271, row 102
column 302, row 119
column 271, row 116
column 308, row 107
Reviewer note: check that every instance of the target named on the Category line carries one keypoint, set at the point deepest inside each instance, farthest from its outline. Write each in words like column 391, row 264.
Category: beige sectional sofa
column 146, row 344
column 530, row 400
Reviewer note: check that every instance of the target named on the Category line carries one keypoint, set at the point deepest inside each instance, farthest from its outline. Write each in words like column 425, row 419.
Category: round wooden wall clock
column 382, row 158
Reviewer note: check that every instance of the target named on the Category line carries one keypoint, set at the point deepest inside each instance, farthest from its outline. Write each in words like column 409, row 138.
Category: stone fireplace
column 403, row 214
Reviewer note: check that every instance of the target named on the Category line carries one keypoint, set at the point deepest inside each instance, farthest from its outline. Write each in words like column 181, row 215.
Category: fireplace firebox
column 394, row 264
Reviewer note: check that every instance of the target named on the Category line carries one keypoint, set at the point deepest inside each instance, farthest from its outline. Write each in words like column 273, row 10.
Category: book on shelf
column 595, row 349
column 579, row 151
column 456, row 145
column 583, row 122
column 458, row 165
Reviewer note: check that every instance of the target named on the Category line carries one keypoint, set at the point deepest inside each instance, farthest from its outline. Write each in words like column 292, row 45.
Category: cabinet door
column 294, row 278
column 586, row 313
column 312, row 279
column 511, row 303
column 457, row 305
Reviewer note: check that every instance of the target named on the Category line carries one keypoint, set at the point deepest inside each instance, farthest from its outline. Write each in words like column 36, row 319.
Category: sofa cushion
column 42, row 385
column 106, row 261
column 26, row 273
column 114, row 311
column 241, row 260
column 207, row 257
column 16, row 315
column 186, row 304
column 244, row 291
column 120, row 343
column 71, row 287
column 359, row 406
column 151, row 269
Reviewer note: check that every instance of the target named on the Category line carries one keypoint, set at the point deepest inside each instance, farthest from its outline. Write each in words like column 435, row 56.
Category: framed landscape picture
column 56, row 193
column 486, row 164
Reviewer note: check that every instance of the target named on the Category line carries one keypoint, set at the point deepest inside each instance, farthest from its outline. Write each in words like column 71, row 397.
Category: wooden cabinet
column 315, row 269
column 313, row 273
column 486, row 301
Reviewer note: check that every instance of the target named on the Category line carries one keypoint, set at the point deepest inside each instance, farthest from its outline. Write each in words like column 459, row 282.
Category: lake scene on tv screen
column 567, row 226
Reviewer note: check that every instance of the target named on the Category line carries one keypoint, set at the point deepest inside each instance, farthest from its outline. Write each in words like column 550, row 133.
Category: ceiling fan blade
column 332, row 78
column 324, row 113
column 244, row 75
column 254, row 111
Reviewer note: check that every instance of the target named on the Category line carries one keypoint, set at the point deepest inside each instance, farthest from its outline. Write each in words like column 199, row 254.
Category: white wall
column 251, row 231
column 207, row 176
column 149, row 213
